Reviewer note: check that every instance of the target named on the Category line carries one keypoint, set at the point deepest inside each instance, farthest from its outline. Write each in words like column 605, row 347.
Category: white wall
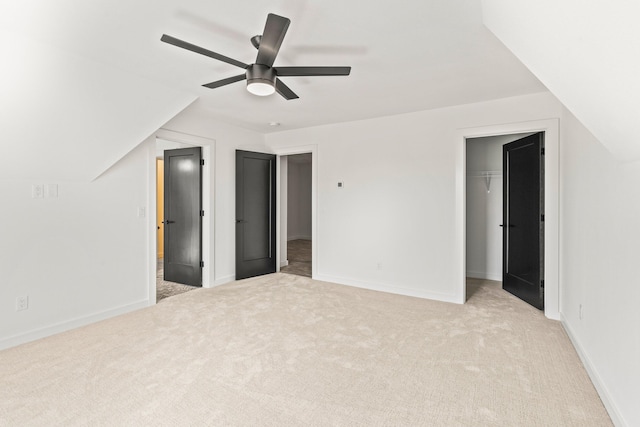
column 80, row 256
column 87, row 255
column 299, row 200
column 484, row 234
column 392, row 225
column 600, row 252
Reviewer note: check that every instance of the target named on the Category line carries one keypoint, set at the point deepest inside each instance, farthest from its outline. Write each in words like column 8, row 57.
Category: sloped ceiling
column 84, row 82
column 587, row 54
column 78, row 120
column 65, row 116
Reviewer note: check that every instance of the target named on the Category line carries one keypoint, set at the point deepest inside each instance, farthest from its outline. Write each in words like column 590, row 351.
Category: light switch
column 52, row 190
column 37, row 191
column 142, row 212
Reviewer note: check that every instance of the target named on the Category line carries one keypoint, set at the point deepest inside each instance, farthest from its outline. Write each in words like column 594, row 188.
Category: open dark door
column 255, row 214
column 182, row 216
column 523, row 219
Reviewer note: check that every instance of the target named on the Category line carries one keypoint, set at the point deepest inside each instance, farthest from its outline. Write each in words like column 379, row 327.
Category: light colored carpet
column 284, row 350
column 299, row 258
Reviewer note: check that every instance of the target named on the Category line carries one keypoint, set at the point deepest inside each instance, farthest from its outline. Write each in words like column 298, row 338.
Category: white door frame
column 551, row 201
column 288, row 151
column 208, row 148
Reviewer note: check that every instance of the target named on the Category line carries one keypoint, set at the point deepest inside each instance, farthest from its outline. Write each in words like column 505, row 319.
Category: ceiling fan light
column 261, row 80
column 261, row 88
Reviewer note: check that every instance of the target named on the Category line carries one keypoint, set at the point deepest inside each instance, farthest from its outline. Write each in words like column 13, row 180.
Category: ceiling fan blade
column 284, row 90
column 224, row 82
column 312, row 71
column 202, row 51
column 274, row 31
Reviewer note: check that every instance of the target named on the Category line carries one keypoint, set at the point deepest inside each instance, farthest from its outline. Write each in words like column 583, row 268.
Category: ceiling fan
column 262, row 76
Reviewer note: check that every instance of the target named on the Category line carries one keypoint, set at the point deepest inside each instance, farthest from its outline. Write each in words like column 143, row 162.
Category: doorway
column 283, row 154
column 168, row 281
column 550, row 127
column 498, row 194
column 183, row 216
column 297, row 234
column 168, row 140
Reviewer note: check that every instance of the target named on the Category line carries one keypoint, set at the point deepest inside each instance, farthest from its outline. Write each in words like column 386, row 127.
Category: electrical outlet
column 379, row 265
column 22, row 303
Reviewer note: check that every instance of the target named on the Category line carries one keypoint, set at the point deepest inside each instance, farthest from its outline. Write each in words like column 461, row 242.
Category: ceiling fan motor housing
column 261, row 79
column 258, row 73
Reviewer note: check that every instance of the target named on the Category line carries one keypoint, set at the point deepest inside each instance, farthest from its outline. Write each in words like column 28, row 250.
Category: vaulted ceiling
column 92, row 77
column 587, row 53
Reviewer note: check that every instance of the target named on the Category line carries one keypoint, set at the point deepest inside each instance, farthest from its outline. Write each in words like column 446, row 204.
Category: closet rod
column 487, row 175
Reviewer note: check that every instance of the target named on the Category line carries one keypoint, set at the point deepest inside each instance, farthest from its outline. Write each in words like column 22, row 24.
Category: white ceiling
column 405, row 55
column 587, row 54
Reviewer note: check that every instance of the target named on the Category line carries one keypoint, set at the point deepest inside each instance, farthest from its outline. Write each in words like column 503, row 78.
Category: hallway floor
column 299, row 257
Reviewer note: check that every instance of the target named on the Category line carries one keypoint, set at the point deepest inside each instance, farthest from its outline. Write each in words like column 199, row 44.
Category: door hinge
column 542, row 151
column 201, row 263
column 201, row 162
column 542, row 283
column 542, row 217
column 201, row 213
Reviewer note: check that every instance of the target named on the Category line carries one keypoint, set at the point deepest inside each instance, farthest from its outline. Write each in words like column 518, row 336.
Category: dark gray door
column 523, row 219
column 183, row 216
column 255, row 214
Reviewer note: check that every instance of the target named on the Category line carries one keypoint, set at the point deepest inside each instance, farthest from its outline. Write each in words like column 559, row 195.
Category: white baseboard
column 437, row 296
column 284, row 263
column 601, row 388
column 484, row 275
column 224, row 280
column 69, row 324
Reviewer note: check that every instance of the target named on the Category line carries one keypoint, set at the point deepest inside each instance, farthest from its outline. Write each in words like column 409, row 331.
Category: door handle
column 240, row 221
column 510, row 225
column 168, row 222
